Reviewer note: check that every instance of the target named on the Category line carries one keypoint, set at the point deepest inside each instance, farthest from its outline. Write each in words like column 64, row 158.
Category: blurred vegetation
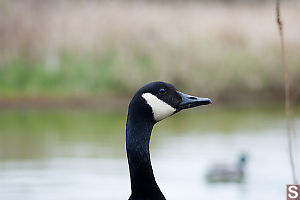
column 96, row 48
column 77, row 75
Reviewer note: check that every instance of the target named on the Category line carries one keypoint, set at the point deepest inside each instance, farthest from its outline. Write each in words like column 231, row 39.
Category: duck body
column 150, row 104
column 227, row 173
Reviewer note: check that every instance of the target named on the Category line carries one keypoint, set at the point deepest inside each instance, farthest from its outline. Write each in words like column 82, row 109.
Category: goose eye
column 162, row 91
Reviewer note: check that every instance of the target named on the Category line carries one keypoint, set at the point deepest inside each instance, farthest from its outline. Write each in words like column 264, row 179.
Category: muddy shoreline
column 121, row 102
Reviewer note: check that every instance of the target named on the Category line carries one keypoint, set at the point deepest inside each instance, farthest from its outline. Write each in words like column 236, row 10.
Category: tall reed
column 288, row 112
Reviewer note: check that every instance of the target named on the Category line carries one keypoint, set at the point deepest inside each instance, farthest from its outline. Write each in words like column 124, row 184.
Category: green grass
column 74, row 75
column 235, row 71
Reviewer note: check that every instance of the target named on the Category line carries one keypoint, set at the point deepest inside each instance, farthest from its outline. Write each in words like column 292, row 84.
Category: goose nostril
column 193, row 98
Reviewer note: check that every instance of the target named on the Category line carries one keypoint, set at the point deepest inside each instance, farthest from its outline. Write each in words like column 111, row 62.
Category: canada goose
column 150, row 104
column 225, row 173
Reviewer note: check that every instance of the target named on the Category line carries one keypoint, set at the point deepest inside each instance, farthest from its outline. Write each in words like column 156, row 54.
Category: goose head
column 159, row 100
column 150, row 104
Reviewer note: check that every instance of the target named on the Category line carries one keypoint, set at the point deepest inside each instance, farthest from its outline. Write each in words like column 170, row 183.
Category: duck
column 151, row 103
column 226, row 173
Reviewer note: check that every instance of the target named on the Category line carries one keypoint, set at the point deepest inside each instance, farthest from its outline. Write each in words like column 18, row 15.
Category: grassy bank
column 76, row 49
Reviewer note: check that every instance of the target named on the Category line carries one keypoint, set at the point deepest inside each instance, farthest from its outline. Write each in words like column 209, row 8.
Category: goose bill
column 189, row 101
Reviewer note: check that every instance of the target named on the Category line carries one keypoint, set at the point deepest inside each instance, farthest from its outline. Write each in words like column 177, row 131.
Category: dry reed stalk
column 288, row 113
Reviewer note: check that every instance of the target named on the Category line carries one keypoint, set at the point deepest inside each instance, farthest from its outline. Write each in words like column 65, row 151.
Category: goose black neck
column 138, row 132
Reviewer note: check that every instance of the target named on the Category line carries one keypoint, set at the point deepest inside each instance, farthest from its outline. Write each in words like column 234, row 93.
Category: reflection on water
column 81, row 155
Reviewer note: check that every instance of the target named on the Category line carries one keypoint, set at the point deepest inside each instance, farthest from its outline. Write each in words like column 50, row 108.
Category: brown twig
column 289, row 123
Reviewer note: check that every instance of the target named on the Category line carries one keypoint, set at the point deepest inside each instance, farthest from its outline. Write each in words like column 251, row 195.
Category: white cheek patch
column 160, row 109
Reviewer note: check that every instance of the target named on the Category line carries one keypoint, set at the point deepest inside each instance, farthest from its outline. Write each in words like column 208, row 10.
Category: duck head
column 159, row 100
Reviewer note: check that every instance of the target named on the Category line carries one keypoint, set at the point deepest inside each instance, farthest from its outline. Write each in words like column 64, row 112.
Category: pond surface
column 61, row 155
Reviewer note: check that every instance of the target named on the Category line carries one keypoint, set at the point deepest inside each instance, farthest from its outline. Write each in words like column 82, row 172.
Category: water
column 81, row 154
